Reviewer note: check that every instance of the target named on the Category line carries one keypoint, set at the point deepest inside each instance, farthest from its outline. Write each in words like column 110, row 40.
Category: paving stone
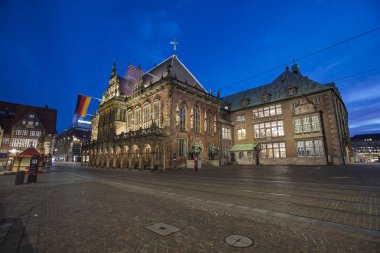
column 163, row 229
column 109, row 210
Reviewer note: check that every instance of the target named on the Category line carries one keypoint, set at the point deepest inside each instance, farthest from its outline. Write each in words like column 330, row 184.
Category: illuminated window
column 309, row 148
column 182, row 148
column 147, row 152
column 273, row 150
column 315, row 126
column 300, row 148
column 156, row 112
column 267, row 111
column 268, row 129
column 137, row 118
column 241, row 134
column 318, row 144
column 129, row 121
column 226, row 133
column 240, row 118
column 297, row 125
column 306, row 124
column 146, row 116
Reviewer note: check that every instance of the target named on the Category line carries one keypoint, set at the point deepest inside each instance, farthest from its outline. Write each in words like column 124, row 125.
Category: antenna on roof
column 174, row 43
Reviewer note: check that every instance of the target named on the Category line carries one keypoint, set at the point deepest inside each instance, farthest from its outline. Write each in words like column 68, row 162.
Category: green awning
column 242, row 147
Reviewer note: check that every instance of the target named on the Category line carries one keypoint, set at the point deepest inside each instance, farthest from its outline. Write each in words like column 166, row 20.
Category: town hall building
column 171, row 121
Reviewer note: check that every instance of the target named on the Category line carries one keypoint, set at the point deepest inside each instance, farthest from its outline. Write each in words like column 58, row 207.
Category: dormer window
column 266, row 97
column 244, row 102
column 292, row 91
column 316, row 100
column 226, row 105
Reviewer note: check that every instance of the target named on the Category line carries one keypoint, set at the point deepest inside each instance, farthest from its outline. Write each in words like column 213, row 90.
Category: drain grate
column 238, row 241
column 163, row 229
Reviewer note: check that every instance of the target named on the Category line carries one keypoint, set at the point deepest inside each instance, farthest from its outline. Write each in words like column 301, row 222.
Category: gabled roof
column 29, row 152
column 277, row 90
column 177, row 69
column 11, row 113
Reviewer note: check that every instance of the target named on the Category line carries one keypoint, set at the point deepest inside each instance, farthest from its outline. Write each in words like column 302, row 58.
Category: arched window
column 137, row 118
column 147, row 152
column 146, row 116
column 158, row 153
column 210, row 124
column 129, row 121
column 156, row 112
column 197, row 118
column 182, row 117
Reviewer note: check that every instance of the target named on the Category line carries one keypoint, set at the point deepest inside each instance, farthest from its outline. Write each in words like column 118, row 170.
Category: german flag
column 82, row 105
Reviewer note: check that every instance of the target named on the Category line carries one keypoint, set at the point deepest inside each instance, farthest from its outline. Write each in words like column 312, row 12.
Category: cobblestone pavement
column 281, row 209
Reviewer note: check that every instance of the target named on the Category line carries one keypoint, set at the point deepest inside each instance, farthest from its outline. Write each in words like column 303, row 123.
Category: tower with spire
column 113, row 89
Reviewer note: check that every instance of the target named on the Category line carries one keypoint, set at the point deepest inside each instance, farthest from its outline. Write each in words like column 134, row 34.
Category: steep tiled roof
column 177, row 70
column 277, row 90
column 29, row 152
column 11, row 113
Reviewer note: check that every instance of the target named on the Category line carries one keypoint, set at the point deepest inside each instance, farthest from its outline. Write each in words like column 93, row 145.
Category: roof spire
column 174, row 43
column 113, row 73
column 296, row 68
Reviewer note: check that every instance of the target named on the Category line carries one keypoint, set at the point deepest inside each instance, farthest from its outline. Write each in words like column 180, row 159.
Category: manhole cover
column 162, row 229
column 239, row 241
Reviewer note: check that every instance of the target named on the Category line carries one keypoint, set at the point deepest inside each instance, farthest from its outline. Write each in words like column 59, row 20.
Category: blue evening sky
column 51, row 50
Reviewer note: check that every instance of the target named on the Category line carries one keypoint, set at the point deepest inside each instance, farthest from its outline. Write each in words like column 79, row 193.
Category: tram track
column 308, row 210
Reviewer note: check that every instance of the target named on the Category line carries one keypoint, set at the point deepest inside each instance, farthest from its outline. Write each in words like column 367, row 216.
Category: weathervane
column 174, row 43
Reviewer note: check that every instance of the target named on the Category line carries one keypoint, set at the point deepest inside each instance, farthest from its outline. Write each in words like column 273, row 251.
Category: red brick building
column 170, row 115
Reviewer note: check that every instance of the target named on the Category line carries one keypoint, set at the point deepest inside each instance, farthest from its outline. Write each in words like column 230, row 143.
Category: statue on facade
column 205, row 122
column 192, row 118
column 177, row 116
column 214, row 124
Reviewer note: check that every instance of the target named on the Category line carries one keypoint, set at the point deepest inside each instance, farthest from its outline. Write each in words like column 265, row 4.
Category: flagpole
column 90, row 96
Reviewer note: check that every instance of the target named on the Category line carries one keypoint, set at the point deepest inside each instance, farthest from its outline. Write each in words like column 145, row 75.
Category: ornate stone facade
column 168, row 117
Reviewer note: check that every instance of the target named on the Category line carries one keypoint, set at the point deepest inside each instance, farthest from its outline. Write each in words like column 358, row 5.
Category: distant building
column 366, row 147
column 69, row 142
column 170, row 116
column 26, row 126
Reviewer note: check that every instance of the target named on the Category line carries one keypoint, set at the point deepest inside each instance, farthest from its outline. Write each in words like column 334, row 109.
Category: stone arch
column 159, row 156
column 117, row 156
column 135, row 156
column 147, row 151
column 197, row 143
column 126, row 155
